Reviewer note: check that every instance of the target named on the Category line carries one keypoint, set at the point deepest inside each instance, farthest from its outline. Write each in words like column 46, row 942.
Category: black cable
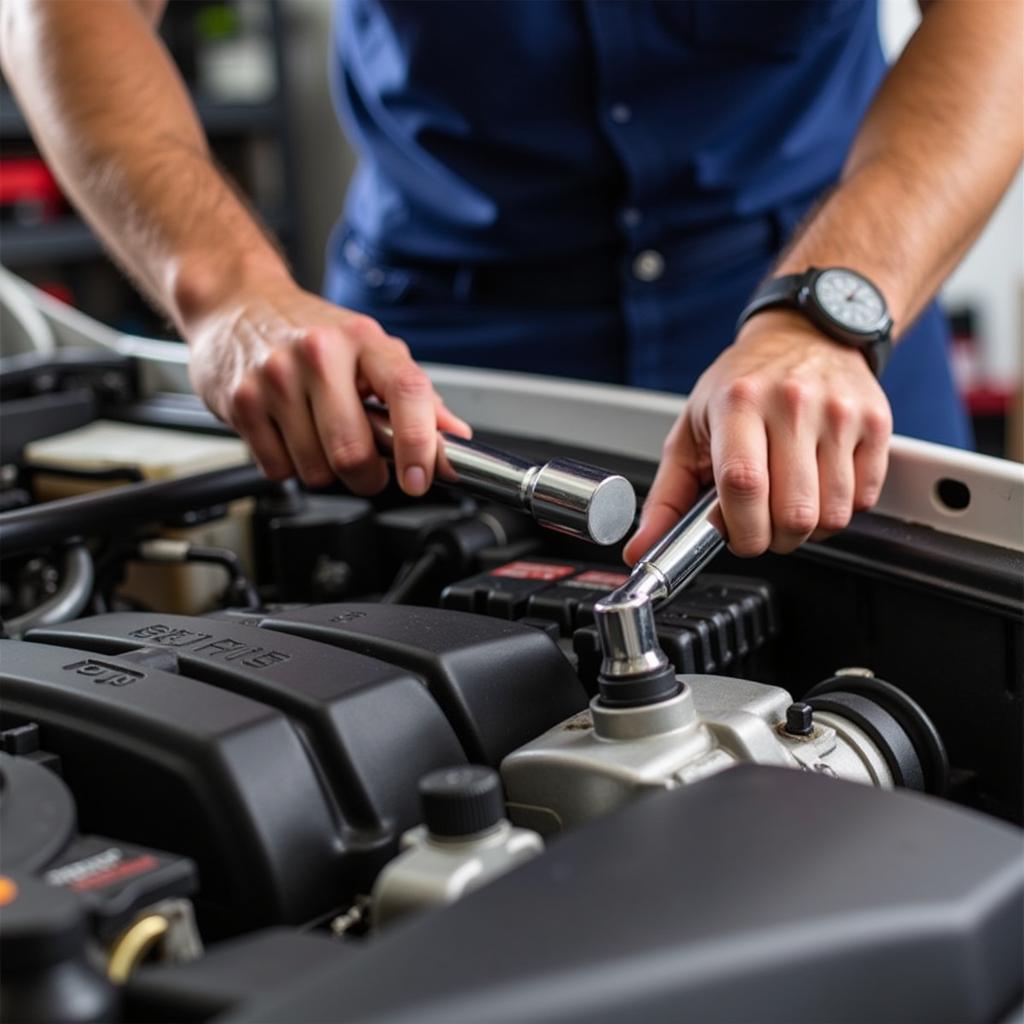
column 233, row 564
column 108, row 511
column 412, row 574
column 110, row 572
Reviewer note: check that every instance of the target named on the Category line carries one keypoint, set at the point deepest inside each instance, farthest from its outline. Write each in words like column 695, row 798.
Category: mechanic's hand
column 792, row 427
column 289, row 372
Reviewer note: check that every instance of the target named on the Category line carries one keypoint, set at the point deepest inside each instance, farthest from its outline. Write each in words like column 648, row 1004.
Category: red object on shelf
column 58, row 291
column 29, row 190
column 989, row 399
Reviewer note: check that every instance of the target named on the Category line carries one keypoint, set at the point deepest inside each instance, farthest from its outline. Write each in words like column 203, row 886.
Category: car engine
column 273, row 755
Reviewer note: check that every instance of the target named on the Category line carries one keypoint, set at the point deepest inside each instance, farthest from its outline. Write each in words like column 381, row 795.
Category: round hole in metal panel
column 952, row 495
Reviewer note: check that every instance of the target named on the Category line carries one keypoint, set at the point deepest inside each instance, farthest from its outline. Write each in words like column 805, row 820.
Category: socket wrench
column 634, row 668
column 561, row 494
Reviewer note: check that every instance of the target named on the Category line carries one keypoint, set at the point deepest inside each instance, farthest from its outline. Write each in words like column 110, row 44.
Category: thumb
column 674, row 490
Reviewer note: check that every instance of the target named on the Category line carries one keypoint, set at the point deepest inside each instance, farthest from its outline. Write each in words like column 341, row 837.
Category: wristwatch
column 841, row 303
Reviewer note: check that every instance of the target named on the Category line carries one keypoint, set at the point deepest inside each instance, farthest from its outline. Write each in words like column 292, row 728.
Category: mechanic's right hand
column 289, row 372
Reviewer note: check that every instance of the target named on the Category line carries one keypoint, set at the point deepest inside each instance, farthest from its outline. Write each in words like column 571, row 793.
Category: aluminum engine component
column 465, row 843
column 650, row 729
column 604, row 756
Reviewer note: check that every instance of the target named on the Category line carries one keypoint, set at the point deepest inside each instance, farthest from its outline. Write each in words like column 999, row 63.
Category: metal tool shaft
column 685, row 549
column 562, row 494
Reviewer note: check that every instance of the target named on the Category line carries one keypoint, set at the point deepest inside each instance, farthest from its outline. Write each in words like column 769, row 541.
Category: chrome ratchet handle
column 685, row 549
column 562, row 494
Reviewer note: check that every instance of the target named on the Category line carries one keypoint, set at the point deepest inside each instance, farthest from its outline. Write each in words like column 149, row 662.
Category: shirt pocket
column 778, row 28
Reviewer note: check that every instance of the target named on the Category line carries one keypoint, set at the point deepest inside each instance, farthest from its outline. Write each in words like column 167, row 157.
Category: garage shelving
column 249, row 137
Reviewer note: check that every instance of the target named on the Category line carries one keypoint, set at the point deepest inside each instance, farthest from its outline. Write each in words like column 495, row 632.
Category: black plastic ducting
column 859, row 904
column 904, row 733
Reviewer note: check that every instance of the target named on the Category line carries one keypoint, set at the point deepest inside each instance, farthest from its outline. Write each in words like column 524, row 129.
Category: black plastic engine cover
column 500, row 683
column 170, row 762
column 374, row 728
column 759, row 894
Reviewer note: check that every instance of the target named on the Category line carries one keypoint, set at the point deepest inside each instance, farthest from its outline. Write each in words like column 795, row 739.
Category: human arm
column 286, row 369
column 791, row 425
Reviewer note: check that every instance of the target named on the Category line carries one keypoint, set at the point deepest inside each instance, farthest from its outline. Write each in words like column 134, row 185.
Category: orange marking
column 8, row 890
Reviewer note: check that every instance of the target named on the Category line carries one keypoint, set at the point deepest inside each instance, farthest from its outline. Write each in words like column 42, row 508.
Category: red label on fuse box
column 532, row 571
column 595, row 579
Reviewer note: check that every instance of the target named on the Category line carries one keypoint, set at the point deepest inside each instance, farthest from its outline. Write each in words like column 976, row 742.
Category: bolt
column 799, row 719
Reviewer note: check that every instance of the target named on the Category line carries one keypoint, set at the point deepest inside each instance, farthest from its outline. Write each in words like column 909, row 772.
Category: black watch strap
column 778, row 291
column 790, row 291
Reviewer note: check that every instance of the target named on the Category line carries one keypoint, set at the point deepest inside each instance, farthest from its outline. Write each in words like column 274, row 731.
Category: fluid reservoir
column 464, row 843
column 106, row 453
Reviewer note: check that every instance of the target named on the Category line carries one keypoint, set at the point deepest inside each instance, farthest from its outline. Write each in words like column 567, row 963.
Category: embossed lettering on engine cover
column 103, row 672
column 224, row 648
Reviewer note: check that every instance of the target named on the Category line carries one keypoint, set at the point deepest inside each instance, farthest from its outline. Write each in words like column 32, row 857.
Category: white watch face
column 851, row 301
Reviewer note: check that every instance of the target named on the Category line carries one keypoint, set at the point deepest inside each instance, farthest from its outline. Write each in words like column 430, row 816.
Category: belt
column 596, row 277
column 589, row 278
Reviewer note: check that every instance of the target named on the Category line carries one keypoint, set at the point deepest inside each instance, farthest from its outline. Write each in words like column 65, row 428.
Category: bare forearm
column 936, row 151
column 114, row 120
column 793, row 427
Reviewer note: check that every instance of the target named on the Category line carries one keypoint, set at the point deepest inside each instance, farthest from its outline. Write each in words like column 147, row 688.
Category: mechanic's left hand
column 792, row 427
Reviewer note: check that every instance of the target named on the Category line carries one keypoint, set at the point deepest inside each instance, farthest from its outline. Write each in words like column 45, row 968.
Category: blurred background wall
column 990, row 280
column 323, row 157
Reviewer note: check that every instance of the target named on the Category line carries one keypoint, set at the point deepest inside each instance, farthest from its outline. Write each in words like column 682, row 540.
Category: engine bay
column 274, row 755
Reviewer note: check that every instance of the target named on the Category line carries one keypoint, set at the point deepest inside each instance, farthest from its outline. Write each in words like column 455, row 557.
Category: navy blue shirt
column 593, row 187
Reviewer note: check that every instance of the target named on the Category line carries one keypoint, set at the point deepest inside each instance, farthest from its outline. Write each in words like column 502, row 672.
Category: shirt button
column 648, row 265
column 621, row 114
column 631, row 217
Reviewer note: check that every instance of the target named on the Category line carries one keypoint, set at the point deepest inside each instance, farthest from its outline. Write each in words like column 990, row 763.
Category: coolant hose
column 70, row 599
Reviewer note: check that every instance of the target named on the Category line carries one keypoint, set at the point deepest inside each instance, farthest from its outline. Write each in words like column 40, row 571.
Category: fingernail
column 415, row 480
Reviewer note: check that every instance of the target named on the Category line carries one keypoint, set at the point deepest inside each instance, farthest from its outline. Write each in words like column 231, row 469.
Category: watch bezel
column 809, row 301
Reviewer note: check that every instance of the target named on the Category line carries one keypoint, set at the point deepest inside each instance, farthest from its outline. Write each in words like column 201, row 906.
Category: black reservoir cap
column 37, row 815
column 462, row 800
column 43, row 925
